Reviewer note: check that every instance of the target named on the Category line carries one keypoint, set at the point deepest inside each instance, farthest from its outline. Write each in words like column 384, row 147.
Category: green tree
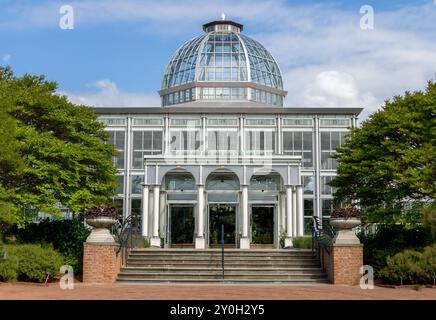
column 52, row 152
column 388, row 165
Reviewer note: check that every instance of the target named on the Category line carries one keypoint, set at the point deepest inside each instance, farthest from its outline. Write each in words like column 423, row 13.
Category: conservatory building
column 222, row 156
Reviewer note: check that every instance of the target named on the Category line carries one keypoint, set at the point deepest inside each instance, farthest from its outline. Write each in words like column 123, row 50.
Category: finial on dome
column 223, row 16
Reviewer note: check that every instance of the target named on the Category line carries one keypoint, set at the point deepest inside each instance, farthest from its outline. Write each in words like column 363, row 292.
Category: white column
column 245, row 240
column 200, row 241
column 294, row 212
column 288, row 240
column 300, row 211
column 155, row 240
column 144, row 210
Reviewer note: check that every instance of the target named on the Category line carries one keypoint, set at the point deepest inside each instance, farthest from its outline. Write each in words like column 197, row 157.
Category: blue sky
column 117, row 52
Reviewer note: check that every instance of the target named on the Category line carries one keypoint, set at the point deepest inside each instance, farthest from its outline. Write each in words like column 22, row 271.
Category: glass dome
column 221, row 56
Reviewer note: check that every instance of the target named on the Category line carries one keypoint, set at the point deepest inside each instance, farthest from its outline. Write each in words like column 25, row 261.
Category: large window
column 145, row 143
column 329, row 142
column 220, row 140
column 260, row 141
column 308, row 214
column 223, row 93
column 116, row 138
column 137, row 184
column 325, row 188
column 185, row 140
column 308, row 184
column 180, row 187
column 120, row 185
column 299, row 144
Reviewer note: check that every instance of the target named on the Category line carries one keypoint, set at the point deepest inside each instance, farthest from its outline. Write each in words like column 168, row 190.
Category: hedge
column 29, row 262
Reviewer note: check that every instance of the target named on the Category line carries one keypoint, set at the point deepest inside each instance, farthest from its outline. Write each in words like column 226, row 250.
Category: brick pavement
column 209, row 292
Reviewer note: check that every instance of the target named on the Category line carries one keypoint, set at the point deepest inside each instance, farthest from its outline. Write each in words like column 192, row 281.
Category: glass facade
column 222, row 55
column 222, row 140
column 263, row 68
column 299, row 144
column 145, row 143
column 223, row 136
column 330, row 141
column 116, row 138
column 259, row 141
column 223, row 93
column 181, row 141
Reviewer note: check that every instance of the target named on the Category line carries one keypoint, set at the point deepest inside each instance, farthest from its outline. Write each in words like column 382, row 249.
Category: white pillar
column 245, row 240
column 300, row 211
column 155, row 240
column 288, row 239
column 200, row 242
column 144, row 210
column 294, row 212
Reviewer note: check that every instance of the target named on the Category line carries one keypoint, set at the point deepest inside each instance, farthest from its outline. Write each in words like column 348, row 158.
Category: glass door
column 262, row 226
column 182, row 224
column 222, row 214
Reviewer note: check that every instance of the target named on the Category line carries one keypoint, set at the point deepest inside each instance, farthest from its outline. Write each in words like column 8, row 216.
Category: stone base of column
column 200, row 243
column 155, row 242
column 100, row 262
column 288, row 243
column 244, row 243
column 345, row 263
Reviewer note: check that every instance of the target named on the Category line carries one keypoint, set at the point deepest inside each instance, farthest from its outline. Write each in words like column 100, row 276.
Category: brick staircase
column 204, row 266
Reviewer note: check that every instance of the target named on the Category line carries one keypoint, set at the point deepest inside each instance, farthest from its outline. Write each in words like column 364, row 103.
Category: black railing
column 321, row 236
column 125, row 230
column 222, row 249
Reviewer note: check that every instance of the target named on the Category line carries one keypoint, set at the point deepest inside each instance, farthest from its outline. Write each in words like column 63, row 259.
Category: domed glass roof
column 223, row 55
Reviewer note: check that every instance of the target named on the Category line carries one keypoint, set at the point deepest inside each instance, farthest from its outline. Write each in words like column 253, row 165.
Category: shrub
column 8, row 266
column 403, row 266
column 302, row 242
column 66, row 236
column 390, row 240
column 411, row 266
column 29, row 262
column 428, row 263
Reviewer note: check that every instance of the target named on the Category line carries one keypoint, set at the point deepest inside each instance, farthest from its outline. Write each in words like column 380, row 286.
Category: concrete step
column 201, row 253
column 310, row 264
column 218, row 258
column 218, row 275
column 258, row 271
column 243, row 266
column 251, row 251
column 222, row 281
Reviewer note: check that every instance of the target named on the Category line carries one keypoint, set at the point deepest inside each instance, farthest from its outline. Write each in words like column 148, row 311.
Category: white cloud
column 325, row 58
column 106, row 93
column 6, row 58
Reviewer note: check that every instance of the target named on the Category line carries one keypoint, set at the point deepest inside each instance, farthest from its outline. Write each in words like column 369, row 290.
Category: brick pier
column 100, row 262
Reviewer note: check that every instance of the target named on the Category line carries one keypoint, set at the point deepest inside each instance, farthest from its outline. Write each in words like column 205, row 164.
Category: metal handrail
column 123, row 229
column 319, row 235
column 222, row 249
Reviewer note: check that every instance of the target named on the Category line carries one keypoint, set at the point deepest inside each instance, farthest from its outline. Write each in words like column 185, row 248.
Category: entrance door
column 182, row 226
column 262, row 226
column 220, row 214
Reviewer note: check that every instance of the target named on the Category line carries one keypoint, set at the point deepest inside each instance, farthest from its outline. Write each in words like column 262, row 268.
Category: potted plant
column 344, row 220
column 101, row 218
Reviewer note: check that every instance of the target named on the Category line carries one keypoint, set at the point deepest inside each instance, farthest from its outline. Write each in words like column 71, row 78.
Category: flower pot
column 100, row 231
column 344, row 230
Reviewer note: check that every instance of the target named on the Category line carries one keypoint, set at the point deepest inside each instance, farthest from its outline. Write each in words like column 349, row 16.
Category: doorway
column 182, row 226
column 222, row 214
column 262, row 226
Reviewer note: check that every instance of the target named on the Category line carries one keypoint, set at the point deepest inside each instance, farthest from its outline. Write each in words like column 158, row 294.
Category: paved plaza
column 81, row 291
